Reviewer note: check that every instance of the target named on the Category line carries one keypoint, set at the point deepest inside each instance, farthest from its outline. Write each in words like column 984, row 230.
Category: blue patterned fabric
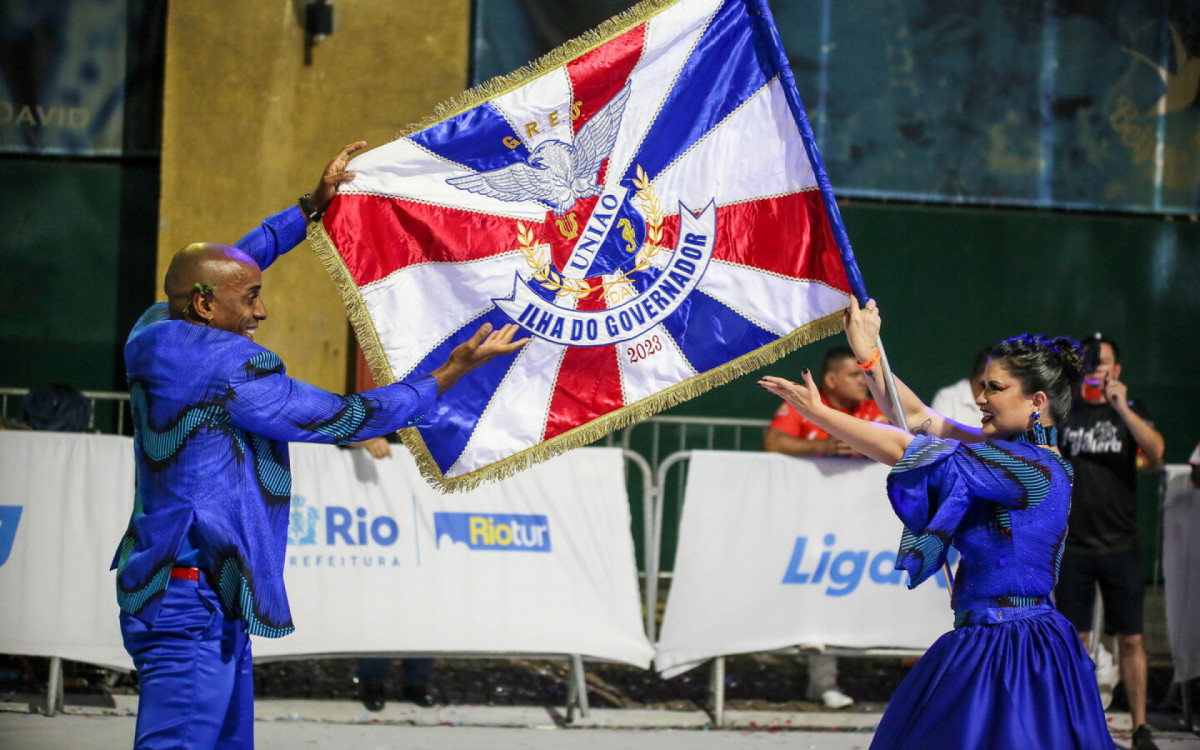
column 213, row 414
column 972, row 496
column 1012, row 674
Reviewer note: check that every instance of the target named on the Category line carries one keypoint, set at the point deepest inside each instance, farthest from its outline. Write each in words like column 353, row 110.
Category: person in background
column 843, row 387
column 374, row 673
column 57, row 408
column 1108, row 438
column 957, row 400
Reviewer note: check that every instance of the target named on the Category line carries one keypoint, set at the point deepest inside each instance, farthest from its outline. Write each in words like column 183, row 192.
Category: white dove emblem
column 557, row 174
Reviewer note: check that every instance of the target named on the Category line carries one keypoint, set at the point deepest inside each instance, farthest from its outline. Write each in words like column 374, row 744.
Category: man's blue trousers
column 194, row 673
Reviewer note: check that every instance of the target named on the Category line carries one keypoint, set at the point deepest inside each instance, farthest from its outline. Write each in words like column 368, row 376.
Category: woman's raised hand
column 803, row 397
column 862, row 328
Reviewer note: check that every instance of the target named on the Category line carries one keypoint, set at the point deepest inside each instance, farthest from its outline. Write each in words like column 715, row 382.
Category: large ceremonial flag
column 646, row 201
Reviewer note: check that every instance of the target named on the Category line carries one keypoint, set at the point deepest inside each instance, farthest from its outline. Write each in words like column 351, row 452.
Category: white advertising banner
column 777, row 551
column 377, row 561
column 64, row 504
column 541, row 562
column 1181, row 569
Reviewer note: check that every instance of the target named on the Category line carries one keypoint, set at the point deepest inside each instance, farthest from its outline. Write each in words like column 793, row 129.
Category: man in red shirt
column 844, row 387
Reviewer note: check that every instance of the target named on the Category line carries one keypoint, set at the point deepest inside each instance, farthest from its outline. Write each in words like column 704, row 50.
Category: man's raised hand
column 335, row 174
column 477, row 351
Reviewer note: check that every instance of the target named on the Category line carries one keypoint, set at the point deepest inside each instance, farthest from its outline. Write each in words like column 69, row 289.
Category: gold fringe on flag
column 552, row 60
column 588, row 433
column 356, row 309
column 623, row 417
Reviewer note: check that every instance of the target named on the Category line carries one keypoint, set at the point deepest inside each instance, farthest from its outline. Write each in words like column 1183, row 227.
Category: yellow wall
column 247, row 128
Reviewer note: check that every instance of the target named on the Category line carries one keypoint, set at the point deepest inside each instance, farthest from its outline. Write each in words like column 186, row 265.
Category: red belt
column 187, row 574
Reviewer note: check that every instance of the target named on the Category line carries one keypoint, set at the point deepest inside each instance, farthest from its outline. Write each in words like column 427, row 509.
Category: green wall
column 78, row 253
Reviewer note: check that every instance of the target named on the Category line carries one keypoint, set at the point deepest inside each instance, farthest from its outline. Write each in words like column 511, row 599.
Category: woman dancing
column 1012, row 673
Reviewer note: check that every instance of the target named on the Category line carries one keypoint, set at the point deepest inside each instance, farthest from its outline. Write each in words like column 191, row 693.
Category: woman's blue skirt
column 1021, row 684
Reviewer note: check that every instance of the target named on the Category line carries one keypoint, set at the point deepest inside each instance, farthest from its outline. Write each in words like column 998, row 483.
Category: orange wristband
column 870, row 363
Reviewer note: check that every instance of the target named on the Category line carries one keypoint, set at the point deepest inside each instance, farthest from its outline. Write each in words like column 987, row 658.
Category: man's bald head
column 203, row 263
column 214, row 284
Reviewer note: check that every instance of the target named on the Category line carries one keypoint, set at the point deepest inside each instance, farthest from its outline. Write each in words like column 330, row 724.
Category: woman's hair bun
column 1071, row 355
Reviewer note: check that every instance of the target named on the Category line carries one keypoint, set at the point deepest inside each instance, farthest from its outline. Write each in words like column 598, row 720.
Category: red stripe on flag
column 378, row 236
column 562, row 232
column 588, row 385
column 598, row 75
column 789, row 236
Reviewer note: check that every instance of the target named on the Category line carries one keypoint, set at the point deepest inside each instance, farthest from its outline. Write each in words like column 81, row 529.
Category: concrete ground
column 345, row 724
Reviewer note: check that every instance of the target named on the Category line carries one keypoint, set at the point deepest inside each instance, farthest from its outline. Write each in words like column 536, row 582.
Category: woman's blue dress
column 1012, row 673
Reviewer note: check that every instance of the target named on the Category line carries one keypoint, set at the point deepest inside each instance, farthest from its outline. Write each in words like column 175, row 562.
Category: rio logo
column 844, row 569
column 494, row 531
column 352, row 528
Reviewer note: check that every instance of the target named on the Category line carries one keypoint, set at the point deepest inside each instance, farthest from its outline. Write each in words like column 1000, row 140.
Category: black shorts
column 1121, row 589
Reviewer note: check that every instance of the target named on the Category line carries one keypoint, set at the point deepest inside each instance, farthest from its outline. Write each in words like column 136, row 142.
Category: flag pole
column 761, row 16
column 761, row 13
column 889, row 380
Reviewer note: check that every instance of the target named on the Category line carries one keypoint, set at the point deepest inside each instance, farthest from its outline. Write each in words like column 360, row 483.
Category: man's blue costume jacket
column 213, row 414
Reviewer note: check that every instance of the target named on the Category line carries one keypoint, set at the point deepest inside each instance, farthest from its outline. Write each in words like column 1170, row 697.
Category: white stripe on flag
column 656, row 371
column 401, row 169
column 670, row 37
column 777, row 303
column 757, row 151
column 533, row 103
column 515, row 417
column 400, row 302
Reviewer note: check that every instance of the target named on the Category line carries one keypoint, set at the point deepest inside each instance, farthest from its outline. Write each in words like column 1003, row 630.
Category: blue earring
column 1039, row 432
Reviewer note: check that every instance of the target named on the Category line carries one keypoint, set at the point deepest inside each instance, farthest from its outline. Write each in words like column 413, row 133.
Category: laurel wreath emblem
column 544, row 273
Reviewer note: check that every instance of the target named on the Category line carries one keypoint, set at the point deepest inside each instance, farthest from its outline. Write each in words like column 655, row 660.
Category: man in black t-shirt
column 1102, row 437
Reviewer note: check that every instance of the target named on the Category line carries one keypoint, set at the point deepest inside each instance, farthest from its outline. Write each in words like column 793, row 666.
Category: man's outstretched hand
column 477, row 351
column 334, row 175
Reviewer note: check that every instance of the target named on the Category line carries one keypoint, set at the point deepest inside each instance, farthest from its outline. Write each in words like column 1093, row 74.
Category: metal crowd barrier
column 649, row 439
column 115, row 408
column 716, row 682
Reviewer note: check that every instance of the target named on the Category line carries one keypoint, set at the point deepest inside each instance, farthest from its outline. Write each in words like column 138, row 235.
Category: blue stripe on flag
column 769, row 37
column 474, row 139
column 708, row 332
column 449, row 425
column 729, row 64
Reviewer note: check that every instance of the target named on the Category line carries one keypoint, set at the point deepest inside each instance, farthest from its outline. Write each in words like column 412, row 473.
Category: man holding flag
column 200, row 568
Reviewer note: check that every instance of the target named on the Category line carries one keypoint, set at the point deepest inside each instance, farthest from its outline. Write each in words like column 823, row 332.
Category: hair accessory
column 310, row 211
column 203, row 289
column 870, row 363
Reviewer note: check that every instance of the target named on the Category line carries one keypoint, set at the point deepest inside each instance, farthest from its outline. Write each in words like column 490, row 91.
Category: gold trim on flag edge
column 356, row 309
column 552, row 60
column 376, row 357
column 623, row 417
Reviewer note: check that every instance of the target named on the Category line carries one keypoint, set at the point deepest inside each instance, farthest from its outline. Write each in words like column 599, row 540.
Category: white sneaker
column 1107, row 675
column 836, row 699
